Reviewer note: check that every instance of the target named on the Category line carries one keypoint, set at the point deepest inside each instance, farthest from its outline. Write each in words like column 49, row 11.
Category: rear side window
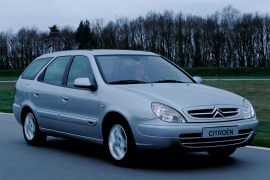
column 32, row 70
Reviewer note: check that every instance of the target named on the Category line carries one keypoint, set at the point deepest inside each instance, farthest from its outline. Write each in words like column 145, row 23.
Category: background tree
column 54, row 38
column 98, row 30
column 4, row 60
column 223, row 39
column 68, row 40
column 109, row 36
column 84, row 37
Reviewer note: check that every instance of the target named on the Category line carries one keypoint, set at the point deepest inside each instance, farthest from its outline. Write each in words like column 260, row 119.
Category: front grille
column 196, row 140
column 214, row 112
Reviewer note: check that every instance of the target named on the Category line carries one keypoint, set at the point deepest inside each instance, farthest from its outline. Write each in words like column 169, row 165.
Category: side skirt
column 55, row 133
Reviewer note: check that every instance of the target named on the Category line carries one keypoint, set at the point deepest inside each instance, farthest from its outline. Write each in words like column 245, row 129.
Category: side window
column 80, row 67
column 32, row 70
column 55, row 71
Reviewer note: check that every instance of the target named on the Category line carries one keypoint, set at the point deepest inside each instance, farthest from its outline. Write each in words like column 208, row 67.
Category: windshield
column 130, row 69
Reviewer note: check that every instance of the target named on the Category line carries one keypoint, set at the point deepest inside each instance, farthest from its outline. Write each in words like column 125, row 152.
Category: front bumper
column 188, row 136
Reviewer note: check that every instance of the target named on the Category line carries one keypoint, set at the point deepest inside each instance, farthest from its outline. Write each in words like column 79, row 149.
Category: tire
column 221, row 152
column 31, row 132
column 120, row 144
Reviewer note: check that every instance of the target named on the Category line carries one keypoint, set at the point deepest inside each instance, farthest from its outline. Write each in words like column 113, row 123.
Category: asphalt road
column 66, row 159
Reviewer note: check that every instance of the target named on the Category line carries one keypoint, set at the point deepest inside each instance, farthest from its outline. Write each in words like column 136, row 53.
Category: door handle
column 36, row 94
column 65, row 99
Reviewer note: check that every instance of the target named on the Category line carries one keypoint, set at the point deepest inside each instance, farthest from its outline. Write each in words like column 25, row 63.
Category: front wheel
column 221, row 152
column 31, row 132
column 120, row 144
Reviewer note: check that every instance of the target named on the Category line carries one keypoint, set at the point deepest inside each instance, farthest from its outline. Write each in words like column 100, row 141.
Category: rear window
column 32, row 70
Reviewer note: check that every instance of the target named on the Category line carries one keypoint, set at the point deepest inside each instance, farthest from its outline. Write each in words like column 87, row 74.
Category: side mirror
column 197, row 79
column 84, row 83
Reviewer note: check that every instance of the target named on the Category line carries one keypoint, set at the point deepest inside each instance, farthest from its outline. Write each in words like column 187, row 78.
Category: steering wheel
column 157, row 78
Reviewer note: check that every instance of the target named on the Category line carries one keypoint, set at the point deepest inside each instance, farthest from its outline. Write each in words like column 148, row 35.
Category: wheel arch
column 110, row 119
column 24, row 112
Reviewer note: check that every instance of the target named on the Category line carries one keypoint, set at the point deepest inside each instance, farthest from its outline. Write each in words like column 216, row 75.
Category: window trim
column 65, row 78
column 166, row 59
column 32, row 78
column 42, row 74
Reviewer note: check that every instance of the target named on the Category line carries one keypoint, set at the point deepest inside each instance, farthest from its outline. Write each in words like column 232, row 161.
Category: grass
column 9, row 78
column 10, row 75
column 235, row 77
column 235, row 71
column 7, row 96
column 16, row 72
column 258, row 93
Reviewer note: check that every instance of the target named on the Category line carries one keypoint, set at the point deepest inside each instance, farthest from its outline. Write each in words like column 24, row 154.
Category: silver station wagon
column 129, row 100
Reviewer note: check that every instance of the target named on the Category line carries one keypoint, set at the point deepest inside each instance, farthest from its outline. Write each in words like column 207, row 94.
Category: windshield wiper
column 127, row 82
column 168, row 81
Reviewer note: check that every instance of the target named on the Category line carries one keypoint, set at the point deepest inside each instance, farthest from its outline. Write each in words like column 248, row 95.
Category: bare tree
column 3, row 51
column 109, row 36
column 98, row 29
column 67, row 38
column 223, row 39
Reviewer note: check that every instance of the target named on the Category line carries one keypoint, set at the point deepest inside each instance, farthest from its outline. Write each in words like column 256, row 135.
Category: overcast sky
column 15, row 14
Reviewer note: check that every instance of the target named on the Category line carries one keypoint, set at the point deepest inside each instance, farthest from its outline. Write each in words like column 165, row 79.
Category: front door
column 79, row 106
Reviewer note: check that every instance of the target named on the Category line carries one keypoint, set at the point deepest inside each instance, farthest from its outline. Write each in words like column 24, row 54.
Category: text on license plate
column 220, row 132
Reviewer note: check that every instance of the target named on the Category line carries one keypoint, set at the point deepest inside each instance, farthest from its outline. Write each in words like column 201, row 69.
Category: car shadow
column 77, row 147
column 168, row 160
column 152, row 160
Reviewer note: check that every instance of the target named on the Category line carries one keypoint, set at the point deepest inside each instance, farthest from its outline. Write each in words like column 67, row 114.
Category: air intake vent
column 196, row 140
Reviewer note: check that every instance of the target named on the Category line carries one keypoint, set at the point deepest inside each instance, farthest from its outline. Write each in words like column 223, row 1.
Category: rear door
column 45, row 93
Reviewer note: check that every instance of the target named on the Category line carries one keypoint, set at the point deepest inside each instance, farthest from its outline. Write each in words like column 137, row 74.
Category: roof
column 98, row 52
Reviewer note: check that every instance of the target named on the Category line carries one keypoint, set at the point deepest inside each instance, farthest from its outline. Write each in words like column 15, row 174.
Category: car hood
column 134, row 100
column 184, row 94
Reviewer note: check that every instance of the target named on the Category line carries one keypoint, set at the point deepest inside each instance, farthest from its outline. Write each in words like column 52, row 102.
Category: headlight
column 248, row 109
column 166, row 113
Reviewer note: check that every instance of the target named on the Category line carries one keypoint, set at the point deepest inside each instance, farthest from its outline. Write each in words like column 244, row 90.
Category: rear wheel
column 221, row 152
column 31, row 132
column 120, row 144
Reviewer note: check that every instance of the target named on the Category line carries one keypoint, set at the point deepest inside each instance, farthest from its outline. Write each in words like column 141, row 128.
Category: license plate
column 220, row 132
